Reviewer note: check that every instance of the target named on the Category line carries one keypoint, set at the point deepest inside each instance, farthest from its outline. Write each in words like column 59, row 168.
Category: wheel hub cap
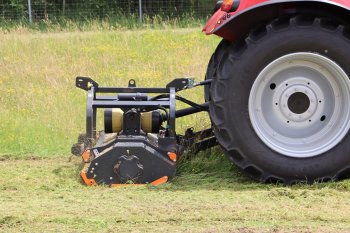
column 299, row 105
column 298, row 102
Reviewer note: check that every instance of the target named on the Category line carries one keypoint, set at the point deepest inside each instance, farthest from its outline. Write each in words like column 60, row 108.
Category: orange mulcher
column 138, row 144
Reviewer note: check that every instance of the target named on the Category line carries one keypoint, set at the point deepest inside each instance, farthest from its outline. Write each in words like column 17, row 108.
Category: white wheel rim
column 299, row 105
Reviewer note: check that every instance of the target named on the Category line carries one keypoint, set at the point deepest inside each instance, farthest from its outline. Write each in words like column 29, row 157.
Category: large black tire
column 240, row 65
column 213, row 63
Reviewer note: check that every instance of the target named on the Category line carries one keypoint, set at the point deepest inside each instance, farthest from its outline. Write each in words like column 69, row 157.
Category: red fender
column 250, row 13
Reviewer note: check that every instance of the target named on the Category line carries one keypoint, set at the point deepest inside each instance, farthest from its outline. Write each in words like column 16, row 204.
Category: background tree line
column 52, row 9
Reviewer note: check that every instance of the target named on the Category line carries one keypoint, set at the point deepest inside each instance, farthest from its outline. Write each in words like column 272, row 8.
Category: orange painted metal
column 87, row 181
column 226, row 5
column 86, row 156
column 160, row 181
column 157, row 182
column 172, row 156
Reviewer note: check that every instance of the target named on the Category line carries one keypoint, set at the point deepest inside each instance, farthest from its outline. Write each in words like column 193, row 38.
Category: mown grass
column 46, row 195
column 42, row 113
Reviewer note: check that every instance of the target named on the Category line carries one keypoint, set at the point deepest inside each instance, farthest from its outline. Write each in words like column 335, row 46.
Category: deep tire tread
column 217, row 107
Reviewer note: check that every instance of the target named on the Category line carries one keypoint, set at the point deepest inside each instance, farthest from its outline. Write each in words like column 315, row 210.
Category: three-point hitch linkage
column 139, row 144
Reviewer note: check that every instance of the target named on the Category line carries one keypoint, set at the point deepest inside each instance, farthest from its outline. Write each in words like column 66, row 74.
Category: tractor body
column 247, row 14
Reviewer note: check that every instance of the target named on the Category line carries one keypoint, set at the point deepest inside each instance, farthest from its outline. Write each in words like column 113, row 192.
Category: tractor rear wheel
column 280, row 101
column 213, row 63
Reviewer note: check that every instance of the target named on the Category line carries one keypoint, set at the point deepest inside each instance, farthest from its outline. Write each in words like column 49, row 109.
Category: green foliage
column 58, row 15
column 116, row 23
column 101, row 9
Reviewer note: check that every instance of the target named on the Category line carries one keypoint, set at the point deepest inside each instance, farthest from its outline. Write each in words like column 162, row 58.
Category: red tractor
column 277, row 91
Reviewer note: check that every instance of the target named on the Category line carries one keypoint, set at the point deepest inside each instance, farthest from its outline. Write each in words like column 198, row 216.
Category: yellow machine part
column 117, row 121
column 146, row 122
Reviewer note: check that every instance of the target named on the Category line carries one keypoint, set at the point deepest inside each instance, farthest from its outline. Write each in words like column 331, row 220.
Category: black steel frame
column 94, row 102
column 137, row 98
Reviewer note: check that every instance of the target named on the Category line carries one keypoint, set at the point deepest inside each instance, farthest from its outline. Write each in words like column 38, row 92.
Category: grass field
column 42, row 113
column 38, row 73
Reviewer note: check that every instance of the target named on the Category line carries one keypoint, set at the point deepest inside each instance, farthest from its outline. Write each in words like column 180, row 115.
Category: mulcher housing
column 135, row 148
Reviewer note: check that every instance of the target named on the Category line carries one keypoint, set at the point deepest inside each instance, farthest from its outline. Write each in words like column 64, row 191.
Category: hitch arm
column 85, row 83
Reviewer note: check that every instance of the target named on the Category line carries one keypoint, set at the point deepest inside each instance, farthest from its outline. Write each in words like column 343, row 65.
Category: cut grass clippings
column 47, row 195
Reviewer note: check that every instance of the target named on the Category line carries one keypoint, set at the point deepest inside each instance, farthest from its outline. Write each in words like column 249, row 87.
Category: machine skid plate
column 128, row 161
